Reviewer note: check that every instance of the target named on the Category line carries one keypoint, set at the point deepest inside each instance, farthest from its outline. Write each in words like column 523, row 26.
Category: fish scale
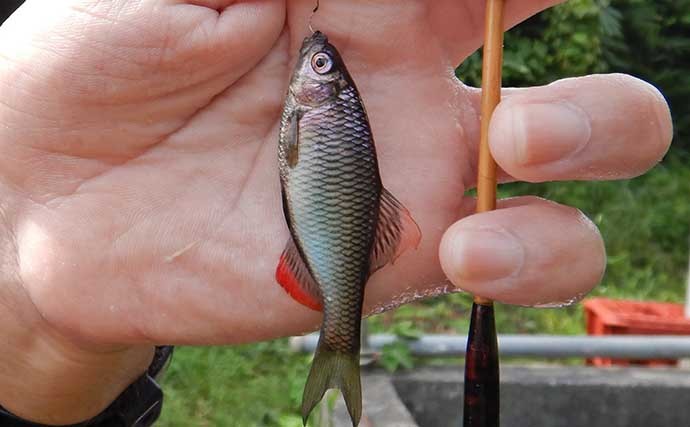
column 333, row 199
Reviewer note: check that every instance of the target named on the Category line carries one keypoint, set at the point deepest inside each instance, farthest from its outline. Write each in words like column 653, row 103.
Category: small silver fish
column 344, row 224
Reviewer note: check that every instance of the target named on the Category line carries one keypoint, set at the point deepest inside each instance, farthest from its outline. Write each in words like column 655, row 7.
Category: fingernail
column 549, row 132
column 483, row 255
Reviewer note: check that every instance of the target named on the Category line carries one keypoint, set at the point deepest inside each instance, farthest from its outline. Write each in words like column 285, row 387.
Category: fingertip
column 650, row 114
column 529, row 252
column 598, row 249
column 663, row 118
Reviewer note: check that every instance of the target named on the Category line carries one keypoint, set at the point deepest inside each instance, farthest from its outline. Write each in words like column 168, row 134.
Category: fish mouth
column 316, row 41
column 317, row 38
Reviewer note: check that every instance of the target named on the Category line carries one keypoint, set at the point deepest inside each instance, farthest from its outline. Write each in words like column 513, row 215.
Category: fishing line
column 313, row 12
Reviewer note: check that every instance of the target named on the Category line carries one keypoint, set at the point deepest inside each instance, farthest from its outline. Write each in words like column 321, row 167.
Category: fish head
column 320, row 73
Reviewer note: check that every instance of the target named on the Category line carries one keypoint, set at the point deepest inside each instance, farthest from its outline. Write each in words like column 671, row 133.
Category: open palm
column 139, row 171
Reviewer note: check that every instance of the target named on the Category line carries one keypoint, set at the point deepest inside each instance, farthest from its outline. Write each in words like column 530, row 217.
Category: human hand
column 139, row 178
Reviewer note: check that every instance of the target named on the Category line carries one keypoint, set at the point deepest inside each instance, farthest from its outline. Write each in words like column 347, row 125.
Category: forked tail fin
column 333, row 369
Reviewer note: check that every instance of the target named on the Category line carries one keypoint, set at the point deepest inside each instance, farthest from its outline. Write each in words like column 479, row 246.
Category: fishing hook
column 313, row 12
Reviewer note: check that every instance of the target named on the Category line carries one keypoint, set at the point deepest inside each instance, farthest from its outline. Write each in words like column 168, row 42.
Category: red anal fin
column 395, row 233
column 294, row 276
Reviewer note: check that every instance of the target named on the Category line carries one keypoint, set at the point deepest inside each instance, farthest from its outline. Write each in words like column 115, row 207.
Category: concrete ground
column 553, row 396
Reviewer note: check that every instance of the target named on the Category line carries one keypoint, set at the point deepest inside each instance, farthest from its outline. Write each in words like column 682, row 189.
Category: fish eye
column 321, row 63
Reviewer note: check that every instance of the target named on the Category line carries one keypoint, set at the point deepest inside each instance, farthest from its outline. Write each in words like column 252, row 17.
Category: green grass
column 645, row 223
column 249, row 385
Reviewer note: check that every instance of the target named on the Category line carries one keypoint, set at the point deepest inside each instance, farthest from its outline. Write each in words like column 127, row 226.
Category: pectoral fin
column 294, row 276
column 293, row 139
column 396, row 232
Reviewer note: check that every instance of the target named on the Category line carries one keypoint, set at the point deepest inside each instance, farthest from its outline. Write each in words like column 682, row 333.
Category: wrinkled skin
column 139, row 187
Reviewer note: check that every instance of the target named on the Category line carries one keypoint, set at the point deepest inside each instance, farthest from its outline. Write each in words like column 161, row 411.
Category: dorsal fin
column 396, row 232
column 294, row 276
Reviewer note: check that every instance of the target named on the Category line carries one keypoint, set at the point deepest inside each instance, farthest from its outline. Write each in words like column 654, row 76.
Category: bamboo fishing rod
column 481, row 398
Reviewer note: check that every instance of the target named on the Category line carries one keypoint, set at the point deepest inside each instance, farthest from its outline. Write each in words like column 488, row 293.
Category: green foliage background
column 648, row 39
column 645, row 221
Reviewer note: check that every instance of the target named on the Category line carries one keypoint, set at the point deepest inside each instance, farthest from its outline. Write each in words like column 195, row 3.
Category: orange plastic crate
column 624, row 317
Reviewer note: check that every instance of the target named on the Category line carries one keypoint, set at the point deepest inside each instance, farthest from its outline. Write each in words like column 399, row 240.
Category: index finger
column 589, row 128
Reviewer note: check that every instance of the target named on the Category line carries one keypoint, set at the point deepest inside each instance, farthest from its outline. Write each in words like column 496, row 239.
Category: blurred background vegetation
column 645, row 221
